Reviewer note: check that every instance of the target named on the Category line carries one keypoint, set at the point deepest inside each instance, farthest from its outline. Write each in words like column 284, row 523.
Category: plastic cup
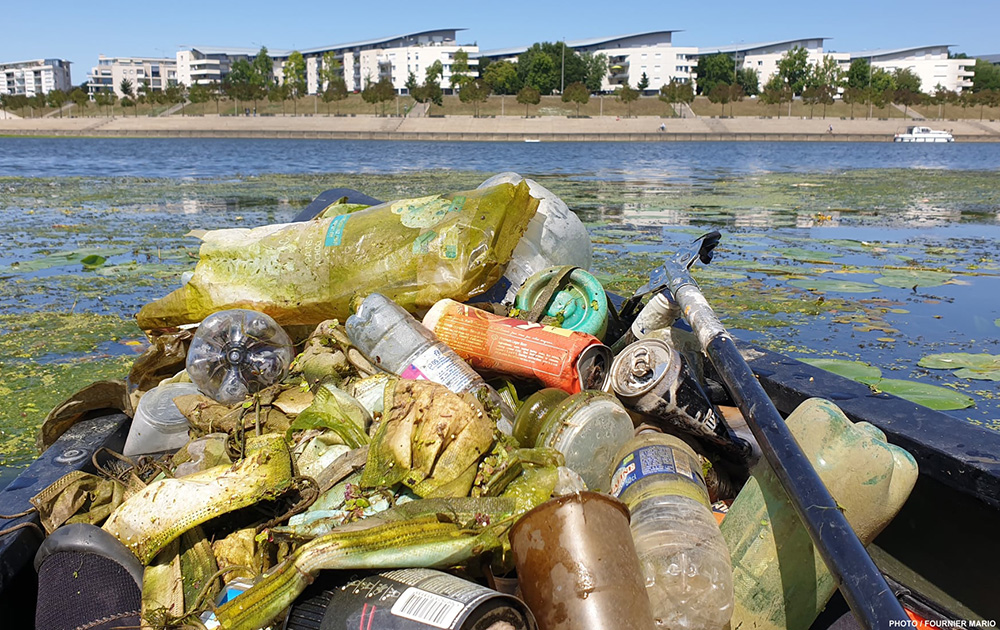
column 577, row 565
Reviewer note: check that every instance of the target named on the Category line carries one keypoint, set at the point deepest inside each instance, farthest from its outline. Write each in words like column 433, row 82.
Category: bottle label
column 335, row 233
column 646, row 461
column 434, row 365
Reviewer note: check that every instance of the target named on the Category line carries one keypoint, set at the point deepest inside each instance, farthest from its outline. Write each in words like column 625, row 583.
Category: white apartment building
column 629, row 56
column 155, row 72
column 763, row 57
column 37, row 76
column 930, row 63
column 394, row 57
column 203, row 65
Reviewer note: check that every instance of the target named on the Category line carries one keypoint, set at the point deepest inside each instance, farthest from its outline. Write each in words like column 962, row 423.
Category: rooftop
column 380, row 40
column 884, row 52
column 578, row 43
column 737, row 48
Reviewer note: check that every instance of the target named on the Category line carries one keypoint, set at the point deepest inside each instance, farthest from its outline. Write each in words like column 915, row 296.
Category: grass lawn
column 955, row 112
column 552, row 106
column 755, row 108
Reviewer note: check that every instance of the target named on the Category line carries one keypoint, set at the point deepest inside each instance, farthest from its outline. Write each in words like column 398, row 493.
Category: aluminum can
column 407, row 599
column 650, row 377
column 568, row 360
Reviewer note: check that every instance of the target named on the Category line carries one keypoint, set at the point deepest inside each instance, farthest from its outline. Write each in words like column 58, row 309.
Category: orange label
column 513, row 346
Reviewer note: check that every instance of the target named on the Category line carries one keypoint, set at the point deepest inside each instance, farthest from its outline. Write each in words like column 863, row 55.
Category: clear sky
column 79, row 31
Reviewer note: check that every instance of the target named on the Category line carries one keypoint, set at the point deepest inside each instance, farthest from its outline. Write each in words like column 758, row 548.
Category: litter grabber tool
column 861, row 583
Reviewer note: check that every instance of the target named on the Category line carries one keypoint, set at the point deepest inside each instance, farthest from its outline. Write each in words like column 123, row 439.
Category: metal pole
column 861, row 583
column 562, row 85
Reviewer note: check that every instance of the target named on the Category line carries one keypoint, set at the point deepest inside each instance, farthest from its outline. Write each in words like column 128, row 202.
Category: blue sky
column 79, row 31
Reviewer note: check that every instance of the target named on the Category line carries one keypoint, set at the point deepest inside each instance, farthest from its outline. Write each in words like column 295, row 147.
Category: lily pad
column 951, row 360
column 997, row 321
column 807, row 255
column 62, row 259
column 978, row 374
column 909, row 278
column 855, row 370
column 838, row 286
column 93, row 261
column 933, row 396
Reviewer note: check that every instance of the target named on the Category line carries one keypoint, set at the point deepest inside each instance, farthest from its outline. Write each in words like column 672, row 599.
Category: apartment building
column 629, row 57
column 204, row 65
column 156, row 73
column 764, row 56
column 930, row 63
column 37, row 76
column 394, row 57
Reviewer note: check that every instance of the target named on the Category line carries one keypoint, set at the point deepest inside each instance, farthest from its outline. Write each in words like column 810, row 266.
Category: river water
column 816, row 239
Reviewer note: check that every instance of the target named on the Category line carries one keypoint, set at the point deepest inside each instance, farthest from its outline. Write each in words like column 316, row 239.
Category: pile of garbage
column 430, row 408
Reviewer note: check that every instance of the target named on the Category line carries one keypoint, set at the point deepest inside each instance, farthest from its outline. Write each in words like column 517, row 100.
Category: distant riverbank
column 500, row 128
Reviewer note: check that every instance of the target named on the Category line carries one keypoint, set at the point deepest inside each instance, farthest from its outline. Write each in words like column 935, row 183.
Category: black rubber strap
column 557, row 282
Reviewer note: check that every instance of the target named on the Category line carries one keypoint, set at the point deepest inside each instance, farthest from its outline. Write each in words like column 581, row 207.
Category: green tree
column 676, row 92
column 80, row 98
column 539, row 71
column 826, row 73
column 852, row 96
column 197, row 94
column 278, row 94
column 712, row 70
column 434, row 72
column 476, row 92
column 736, row 95
column 459, row 70
column 776, row 92
column 331, row 70
column 261, row 76
column 793, row 68
column 336, row 90
column 128, row 92
column 238, row 84
column 528, row 96
column 858, row 74
column 502, row 78
column 811, row 96
column 411, row 84
column 215, row 93
column 882, row 81
column 56, row 99
column 294, row 76
column 720, row 94
column 627, row 95
column 385, row 92
column 906, row 79
column 643, row 83
column 749, row 80
column 596, row 68
column 578, row 93
column 985, row 76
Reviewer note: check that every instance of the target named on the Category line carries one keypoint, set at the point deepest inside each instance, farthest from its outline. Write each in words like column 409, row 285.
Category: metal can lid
column 593, row 366
column 640, row 366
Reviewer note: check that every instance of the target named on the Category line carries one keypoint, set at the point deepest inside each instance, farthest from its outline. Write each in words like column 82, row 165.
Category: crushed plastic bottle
column 236, row 353
column 394, row 340
column 683, row 555
column 555, row 236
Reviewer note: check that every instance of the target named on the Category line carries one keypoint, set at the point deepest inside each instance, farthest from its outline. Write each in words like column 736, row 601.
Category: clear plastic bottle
column 236, row 353
column 685, row 560
column 394, row 340
column 555, row 236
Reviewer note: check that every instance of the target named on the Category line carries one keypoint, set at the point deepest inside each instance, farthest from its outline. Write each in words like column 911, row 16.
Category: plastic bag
column 415, row 251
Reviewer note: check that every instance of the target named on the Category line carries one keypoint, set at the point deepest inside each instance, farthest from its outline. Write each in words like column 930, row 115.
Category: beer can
column 650, row 377
column 406, row 599
column 568, row 360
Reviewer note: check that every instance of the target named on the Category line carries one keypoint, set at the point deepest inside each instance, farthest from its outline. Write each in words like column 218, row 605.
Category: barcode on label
column 419, row 605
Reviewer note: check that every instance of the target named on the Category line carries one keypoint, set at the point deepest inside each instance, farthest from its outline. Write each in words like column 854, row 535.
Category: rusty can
column 406, row 599
column 577, row 564
column 651, row 377
column 568, row 360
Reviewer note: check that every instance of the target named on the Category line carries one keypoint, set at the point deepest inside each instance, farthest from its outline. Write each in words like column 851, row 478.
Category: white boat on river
column 923, row 134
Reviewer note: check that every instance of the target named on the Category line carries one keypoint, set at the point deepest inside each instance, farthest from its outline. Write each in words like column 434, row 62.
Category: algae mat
column 880, row 266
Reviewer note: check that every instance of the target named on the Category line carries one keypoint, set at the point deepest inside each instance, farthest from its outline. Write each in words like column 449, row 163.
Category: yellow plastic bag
column 414, row 251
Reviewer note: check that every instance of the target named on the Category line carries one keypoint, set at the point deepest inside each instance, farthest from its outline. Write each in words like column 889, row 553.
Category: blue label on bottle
column 335, row 233
column 643, row 462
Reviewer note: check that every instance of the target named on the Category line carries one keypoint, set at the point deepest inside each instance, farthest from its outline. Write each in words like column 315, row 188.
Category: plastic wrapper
column 415, row 251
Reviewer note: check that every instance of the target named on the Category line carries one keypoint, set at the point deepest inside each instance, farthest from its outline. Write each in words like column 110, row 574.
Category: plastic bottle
column 394, row 340
column 680, row 548
column 587, row 428
column 158, row 425
column 554, row 236
column 236, row 353
column 780, row 580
